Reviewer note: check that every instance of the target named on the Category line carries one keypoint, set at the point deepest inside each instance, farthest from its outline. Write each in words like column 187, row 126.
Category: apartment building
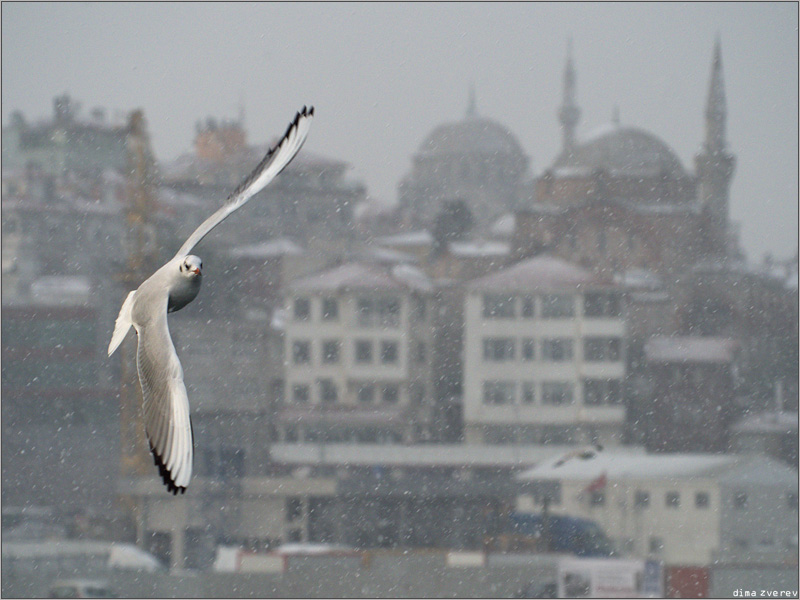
column 544, row 356
column 357, row 365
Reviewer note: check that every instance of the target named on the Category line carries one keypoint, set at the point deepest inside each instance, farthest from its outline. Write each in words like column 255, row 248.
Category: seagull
column 173, row 286
column 585, row 453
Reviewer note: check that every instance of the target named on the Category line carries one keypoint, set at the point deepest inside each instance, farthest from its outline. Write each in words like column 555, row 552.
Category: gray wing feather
column 166, row 404
column 271, row 165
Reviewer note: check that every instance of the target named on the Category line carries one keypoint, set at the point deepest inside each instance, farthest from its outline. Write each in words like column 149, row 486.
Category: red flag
column 597, row 484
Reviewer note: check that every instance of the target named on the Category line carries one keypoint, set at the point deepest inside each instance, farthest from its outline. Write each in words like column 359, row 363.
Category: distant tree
column 452, row 223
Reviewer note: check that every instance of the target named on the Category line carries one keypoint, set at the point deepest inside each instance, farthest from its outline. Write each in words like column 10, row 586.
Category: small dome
column 624, row 151
column 470, row 135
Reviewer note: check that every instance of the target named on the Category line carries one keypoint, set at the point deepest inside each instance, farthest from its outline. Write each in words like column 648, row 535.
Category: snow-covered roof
column 639, row 279
column 626, row 466
column 386, row 255
column 268, row 249
column 422, row 455
column 411, row 238
column 540, row 272
column 479, row 248
column 767, row 422
column 361, row 276
column 504, row 226
column 668, row 349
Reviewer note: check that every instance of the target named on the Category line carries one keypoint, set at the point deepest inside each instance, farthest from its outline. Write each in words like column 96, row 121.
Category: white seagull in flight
column 173, row 286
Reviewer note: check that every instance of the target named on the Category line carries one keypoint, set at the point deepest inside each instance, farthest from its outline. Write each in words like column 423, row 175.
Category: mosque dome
column 472, row 134
column 623, row 151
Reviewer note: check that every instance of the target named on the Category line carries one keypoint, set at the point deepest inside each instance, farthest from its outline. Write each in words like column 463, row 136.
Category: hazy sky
column 383, row 75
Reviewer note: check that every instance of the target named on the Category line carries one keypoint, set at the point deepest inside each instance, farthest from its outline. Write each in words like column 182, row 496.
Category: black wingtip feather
column 166, row 477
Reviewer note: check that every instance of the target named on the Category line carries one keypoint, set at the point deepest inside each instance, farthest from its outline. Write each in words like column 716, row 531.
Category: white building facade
column 544, row 356
column 683, row 509
column 357, row 345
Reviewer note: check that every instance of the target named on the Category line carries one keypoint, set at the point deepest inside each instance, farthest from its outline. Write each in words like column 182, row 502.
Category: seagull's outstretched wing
column 166, row 405
column 273, row 163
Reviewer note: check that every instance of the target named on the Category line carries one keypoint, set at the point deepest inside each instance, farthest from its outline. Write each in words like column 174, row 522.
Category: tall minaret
column 714, row 164
column 568, row 112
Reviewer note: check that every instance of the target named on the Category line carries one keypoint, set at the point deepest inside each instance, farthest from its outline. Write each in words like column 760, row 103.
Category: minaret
column 714, row 164
column 568, row 112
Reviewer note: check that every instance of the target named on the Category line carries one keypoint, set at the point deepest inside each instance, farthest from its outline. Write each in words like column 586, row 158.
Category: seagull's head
column 191, row 267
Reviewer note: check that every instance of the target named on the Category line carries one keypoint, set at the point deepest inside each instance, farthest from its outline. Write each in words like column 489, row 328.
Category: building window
column 656, row 544
column 528, row 349
column 300, row 393
column 388, row 352
column 557, row 350
column 294, row 509
column 389, row 311
column 498, row 307
column 330, row 351
column 528, row 307
column 363, row 351
column 740, row 500
column 597, row 498
column 390, row 393
column 420, row 352
column 602, row 391
column 498, row 349
column 327, row 391
column 528, row 392
column 672, row 499
column 302, row 309
column 498, row 392
column 558, row 306
column 641, row 499
column 701, row 500
column 601, row 304
column 330, row 309
column 366, row 312
column 556, row 392
column 366, row 393
column 601, row 349
column 301, row 352
column 277, row 389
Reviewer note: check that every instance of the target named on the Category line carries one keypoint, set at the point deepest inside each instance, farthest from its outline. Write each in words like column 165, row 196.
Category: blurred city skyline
column 383, row 76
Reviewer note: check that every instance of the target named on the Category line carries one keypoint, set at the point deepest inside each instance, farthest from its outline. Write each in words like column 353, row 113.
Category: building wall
column 571, row 421
column 408, row 373
column 685, row 534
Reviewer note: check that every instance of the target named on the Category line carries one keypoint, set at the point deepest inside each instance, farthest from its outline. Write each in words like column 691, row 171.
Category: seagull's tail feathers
column 122, row 324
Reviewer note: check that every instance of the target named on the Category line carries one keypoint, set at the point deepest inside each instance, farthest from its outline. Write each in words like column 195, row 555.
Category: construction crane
column 141, row 260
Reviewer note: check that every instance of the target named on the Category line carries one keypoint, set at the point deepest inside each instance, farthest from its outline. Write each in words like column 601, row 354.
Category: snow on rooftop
column 767, row 422
column 667, row 349
column 362, row 276
column 268, row 249
column 421, row 455
column 540, row 272
column 412, row 238
column 640, row 279
column 504, row 226
column 480, row 248
column 624, row 465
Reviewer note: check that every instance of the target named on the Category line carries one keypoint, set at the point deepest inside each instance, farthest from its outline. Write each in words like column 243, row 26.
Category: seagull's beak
column 196, row 271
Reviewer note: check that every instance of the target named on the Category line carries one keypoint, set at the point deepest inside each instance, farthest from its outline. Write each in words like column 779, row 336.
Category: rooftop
column 539, row 273
column 362, row 276
column 627, row 466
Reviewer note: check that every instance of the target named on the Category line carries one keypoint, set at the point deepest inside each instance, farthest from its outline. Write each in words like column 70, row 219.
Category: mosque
column 615, row 201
